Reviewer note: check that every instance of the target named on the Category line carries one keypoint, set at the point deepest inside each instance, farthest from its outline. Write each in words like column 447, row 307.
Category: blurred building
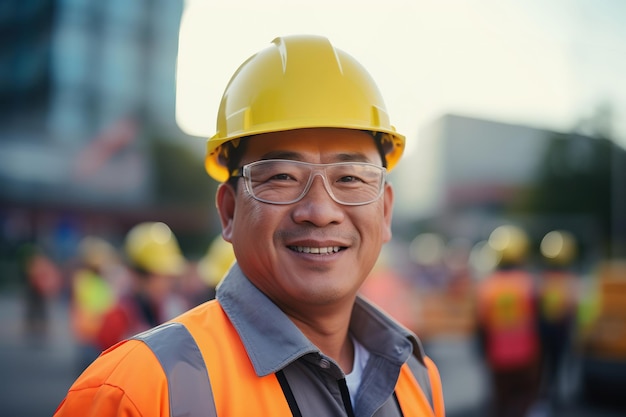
column 463, row 162
column 85, row 88
column 79, row 82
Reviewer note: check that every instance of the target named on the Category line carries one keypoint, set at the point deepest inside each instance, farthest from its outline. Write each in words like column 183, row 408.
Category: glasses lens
column 276, row 181
column 285, row 182
column 355, row 183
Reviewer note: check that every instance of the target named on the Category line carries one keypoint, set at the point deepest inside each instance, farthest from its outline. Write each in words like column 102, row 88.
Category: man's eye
column 349, row 179
column 280, row 177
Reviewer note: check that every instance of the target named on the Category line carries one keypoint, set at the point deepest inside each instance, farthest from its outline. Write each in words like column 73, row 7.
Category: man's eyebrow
column 352, row 157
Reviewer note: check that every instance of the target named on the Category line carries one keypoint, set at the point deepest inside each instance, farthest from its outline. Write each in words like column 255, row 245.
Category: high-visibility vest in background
column 506, row 302
column 557, row 296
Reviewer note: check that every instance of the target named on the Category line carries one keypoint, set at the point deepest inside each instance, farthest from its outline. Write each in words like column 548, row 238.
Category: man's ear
column 225, row 203
column 387, row 212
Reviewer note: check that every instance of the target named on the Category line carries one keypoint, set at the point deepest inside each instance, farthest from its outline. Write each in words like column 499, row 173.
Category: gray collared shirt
column 274, row 343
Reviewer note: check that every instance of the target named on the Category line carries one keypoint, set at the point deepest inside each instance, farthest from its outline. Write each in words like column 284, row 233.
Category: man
column 92, row 295
column 301, row 147
column 507, row 324
column 155, row 262
column 557, row 304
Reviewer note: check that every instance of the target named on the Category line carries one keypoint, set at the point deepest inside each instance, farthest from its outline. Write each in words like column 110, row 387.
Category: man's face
column 272, row 242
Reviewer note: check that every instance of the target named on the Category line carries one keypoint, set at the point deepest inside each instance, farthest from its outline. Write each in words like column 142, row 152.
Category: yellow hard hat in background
column 299, row 82
column 153, row 247
column 510, row 243
column 96, row 252
column 558, row 247
column 217, row 261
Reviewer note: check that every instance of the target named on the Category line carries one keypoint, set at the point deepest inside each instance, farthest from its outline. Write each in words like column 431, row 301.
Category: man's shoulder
column 126, row 376
column 122, row 365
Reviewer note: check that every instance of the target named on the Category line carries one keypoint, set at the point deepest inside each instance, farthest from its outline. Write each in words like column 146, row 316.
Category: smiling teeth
column 306, row 249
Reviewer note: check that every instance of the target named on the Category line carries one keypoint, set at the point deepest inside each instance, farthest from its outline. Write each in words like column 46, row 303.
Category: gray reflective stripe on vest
column 190, row 393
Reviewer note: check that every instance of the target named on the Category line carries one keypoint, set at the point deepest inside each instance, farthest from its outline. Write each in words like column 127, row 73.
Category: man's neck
column 329, row 332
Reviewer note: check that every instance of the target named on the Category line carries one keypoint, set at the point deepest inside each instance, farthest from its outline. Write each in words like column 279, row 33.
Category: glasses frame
column 317, row 169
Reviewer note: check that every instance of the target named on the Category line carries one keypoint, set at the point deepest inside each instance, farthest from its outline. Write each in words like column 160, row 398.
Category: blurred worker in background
column 92, row 295
column 507, row 323
column 302, row 149
column 43, row 281
column 558, row 302
column 155, row 262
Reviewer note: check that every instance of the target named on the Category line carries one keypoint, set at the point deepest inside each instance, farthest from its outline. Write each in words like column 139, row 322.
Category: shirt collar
column 273, row 341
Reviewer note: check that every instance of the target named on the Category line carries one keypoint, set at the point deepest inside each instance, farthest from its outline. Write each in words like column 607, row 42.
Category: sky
column 537, row 63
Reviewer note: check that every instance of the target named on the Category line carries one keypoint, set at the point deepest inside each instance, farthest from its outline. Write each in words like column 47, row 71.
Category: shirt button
column 324, row 363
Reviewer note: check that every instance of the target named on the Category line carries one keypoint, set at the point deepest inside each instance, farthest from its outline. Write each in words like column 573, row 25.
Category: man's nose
column 319, row 184
column 317, row 206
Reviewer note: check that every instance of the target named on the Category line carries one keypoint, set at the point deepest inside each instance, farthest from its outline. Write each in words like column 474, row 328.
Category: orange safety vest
column 232, row 376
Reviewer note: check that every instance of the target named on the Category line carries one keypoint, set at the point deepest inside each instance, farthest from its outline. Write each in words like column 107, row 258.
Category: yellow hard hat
column 217, row 261
column 153, row 247
column 558, row 247
column 511, row 243
column 96, row 252
column 299, row 82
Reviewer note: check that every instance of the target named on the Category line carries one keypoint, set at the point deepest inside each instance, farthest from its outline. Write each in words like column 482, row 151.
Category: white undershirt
column 353, row 379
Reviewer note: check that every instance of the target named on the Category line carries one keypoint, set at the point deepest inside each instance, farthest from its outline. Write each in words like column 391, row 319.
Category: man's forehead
column 325, row 147
column 323, row 157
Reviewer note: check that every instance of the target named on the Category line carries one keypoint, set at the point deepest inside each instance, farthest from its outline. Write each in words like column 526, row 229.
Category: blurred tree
column 180, row 177
column 582, row 175
column 574, row 178
column 182, row 184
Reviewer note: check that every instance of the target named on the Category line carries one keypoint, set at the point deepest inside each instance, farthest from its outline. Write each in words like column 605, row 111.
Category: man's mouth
column 326, row 250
